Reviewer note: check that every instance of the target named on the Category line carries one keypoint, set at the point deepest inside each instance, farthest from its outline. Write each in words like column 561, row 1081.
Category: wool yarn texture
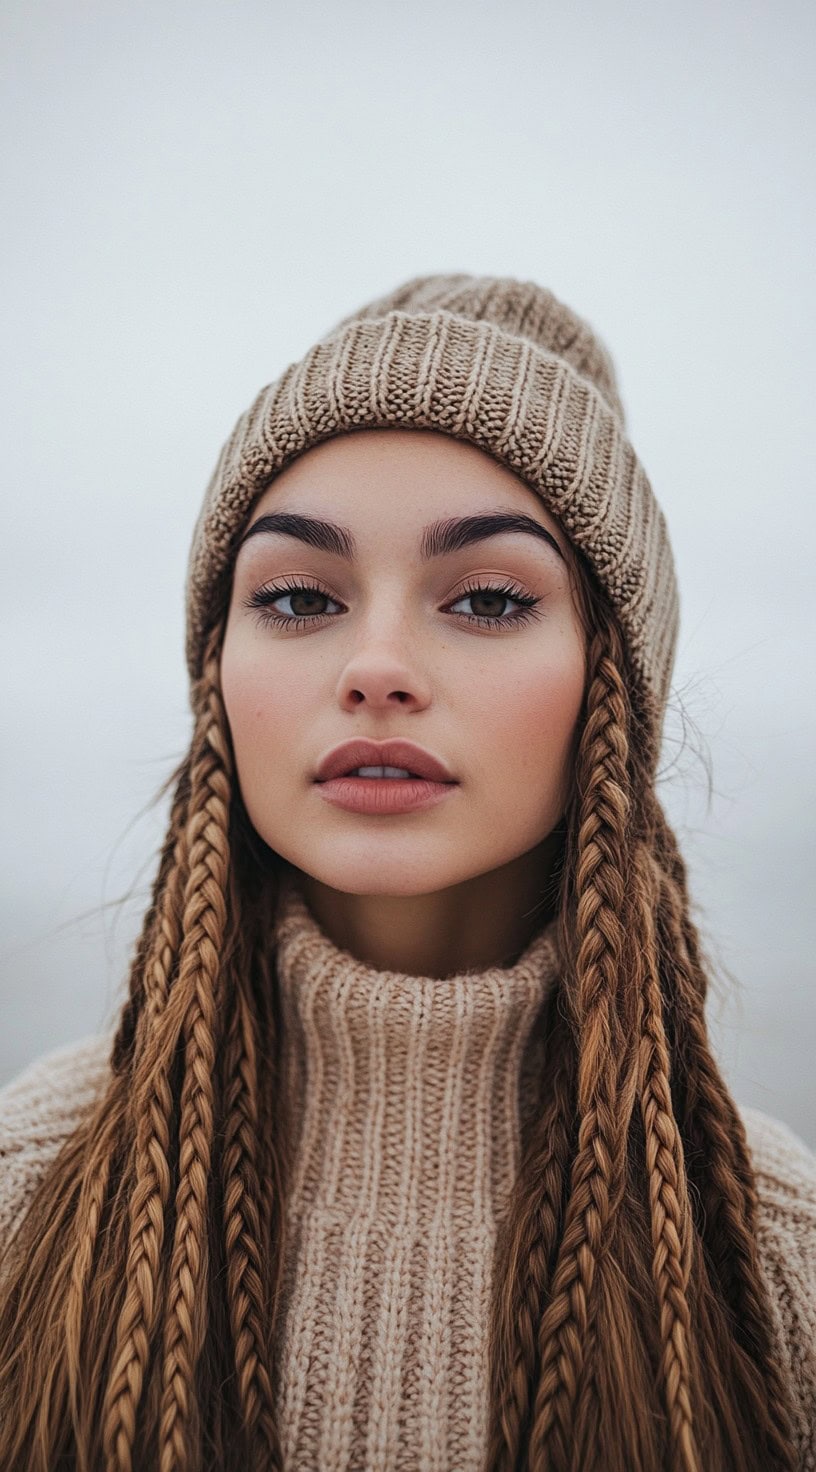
column 499, row 363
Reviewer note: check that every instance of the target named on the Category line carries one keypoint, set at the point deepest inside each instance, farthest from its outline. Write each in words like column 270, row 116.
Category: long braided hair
column 630, row 1326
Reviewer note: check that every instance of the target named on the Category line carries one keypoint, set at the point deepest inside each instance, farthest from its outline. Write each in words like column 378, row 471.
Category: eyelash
column 262, row 598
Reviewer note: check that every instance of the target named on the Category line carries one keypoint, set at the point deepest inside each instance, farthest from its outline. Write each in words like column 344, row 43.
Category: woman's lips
column 383, row 795
column 397, row 752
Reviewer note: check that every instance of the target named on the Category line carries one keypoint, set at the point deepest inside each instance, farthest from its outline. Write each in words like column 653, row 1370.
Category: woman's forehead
column 409, row 473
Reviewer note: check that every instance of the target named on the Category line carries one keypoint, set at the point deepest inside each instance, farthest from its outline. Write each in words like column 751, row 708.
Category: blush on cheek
column 241, row 686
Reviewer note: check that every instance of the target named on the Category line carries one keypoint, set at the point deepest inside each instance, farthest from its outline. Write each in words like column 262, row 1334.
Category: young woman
column 409, row 1149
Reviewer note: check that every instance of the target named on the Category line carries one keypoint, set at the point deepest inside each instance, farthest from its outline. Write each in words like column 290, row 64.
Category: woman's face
column 441, row 650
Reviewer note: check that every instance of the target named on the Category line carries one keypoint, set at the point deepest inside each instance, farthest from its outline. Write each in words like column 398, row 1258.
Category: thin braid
column 706, row 1092
column 526, row 1253
column 123, row 1044
column 203, row 927
column 720, row 1167
column 273, row 1164
column 598, row 1171
column 95, row 1184
column 92, row 1200
column 707, row 1102
column 151, row 1192
column 668, row 1195
column 243, row 1238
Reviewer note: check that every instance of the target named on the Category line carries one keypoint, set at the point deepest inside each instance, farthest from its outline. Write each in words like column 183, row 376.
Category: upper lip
column 359, row 753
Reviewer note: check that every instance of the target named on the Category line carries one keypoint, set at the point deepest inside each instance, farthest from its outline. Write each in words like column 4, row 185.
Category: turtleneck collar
column 407, row 1093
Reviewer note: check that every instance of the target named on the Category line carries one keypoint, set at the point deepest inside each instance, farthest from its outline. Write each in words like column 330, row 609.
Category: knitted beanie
column 502, row 364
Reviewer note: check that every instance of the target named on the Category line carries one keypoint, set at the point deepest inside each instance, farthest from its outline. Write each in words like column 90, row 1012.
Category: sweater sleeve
column 39, row 1109
column 786, row 1182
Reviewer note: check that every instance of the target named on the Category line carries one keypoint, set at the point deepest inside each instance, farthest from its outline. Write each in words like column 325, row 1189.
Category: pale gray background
column 192, row 193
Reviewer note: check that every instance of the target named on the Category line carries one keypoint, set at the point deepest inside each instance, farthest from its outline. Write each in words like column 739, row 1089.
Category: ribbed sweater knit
column 406, row 1094
column 407, row 1098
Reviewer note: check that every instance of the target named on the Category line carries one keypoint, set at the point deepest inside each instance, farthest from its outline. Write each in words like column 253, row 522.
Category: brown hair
column 630, row 1328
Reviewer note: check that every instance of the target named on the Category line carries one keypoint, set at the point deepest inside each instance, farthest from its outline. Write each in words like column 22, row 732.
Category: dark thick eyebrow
column 439, row 538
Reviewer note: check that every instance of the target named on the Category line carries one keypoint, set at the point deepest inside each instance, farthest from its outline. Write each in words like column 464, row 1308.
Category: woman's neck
column 484, row 921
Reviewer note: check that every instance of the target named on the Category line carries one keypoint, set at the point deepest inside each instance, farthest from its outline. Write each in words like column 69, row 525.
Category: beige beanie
column 497, row 362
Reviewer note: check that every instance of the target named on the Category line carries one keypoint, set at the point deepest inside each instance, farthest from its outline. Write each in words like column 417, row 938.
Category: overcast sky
column 193, row 193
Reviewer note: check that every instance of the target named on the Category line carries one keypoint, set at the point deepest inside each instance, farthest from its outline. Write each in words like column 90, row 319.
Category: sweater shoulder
column 39, row 1109
column 785, row 1166
column 785, row 1170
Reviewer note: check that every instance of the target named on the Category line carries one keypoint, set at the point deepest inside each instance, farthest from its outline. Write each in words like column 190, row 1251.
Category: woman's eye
column 305, row 605
column 489, row 604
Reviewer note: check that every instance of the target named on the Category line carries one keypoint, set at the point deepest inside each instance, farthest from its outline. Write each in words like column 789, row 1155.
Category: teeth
column 379, row 772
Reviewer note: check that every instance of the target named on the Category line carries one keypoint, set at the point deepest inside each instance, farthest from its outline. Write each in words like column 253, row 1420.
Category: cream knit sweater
column 408, row 1096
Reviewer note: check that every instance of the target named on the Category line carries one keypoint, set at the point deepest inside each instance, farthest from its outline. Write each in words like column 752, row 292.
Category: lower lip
column 383, row 794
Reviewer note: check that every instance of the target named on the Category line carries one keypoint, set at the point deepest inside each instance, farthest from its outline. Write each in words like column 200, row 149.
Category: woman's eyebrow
column 439, row 538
